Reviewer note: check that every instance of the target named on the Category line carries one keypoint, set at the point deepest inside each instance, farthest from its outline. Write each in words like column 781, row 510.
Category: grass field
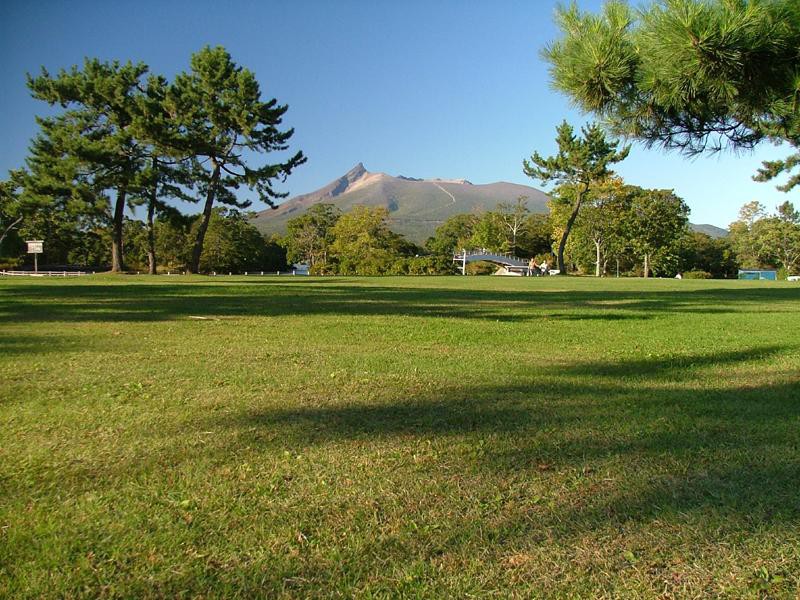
column 399, row 437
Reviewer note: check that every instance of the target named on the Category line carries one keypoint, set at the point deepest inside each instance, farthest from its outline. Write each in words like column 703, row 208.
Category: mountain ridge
column 416, row 206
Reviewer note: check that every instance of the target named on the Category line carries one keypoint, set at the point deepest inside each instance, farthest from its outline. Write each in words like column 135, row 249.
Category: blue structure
column 757, row 274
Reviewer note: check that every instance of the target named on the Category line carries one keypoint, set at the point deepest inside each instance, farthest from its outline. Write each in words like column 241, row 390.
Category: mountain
column 712, row 230
column 416, row 206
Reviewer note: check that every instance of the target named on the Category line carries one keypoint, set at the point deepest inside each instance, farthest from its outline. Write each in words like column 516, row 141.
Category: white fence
column 44, row 273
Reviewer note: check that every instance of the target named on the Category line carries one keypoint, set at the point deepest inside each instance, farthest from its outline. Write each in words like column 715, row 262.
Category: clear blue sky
column 419, row 88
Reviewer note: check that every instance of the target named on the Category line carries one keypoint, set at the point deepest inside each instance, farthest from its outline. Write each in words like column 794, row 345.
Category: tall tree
column 602, row 220
column 102, row 101
column 224, row 121
column 657, row 220
column 700, row 252
column 762, row 239
column 363, row 244
column 580, row 162
column 490, row 232
column 694, row 75
column 309, row 236
column 513, row 216
column 159, row 180
column 743, row 235
column 12, row 211
column 536, row 236
column 64, row 203
column 173, row 239
column 453, row 235
column 783, row 237
column 234, row 244
column 169, row 167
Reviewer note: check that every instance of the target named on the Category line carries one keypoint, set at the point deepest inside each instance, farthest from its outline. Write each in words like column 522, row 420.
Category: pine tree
column 580, row 162
column 169, row 165
column 62, row 199
column 693, row 75
column 11, row 211
column 96, row 135
column 223, row 122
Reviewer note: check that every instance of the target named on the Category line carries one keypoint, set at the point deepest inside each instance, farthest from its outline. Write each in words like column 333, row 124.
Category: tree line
column 767, row 240
column 129, row 138
column 691, row 75
column 597, row 224
column 622, row 230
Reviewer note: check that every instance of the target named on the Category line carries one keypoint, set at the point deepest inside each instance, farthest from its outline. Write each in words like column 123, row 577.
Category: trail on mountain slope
column 453, row 198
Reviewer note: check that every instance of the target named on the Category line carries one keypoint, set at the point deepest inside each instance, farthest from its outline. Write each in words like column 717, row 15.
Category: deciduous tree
column 781, row 235
column 234, row 244
column 743, row 235
column 700, row 252
column 602, row 221
column 309, row 236
column 490, row 232
column 656, row 221
column 453, row 235
column 363, row 244
column 513, row 216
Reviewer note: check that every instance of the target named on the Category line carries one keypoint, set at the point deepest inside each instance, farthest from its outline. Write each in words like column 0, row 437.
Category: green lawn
column 399, row 437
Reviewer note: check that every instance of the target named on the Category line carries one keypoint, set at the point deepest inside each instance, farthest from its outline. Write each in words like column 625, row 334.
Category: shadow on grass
column 670, row 368
column 167, row 301
column 672, row 448
column 669, row 443
column 13, row 345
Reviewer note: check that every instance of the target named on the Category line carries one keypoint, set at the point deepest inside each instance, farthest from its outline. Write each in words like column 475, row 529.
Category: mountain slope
column 712, row 230
column 416, row 206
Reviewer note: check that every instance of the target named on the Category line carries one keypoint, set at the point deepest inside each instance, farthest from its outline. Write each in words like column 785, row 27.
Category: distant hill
column 416, row 206
column 712, row 230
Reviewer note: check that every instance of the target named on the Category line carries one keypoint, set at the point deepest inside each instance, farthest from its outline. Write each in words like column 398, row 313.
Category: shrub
column 481, row 268
column 10, row 263
column 697, row 275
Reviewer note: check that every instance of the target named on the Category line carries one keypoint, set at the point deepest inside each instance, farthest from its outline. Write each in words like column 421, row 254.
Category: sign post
column 35, row 247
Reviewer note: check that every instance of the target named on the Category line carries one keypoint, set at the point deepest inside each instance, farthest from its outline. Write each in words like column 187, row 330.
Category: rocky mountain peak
column 355, row 173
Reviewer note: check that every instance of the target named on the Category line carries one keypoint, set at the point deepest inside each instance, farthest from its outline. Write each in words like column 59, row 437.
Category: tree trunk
column 151, row 232
column 194, row 266
column 9, row 228
column 597, row 258
column 151, row 239
column 117, row 261
column 647, row 265
column 563, row 243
